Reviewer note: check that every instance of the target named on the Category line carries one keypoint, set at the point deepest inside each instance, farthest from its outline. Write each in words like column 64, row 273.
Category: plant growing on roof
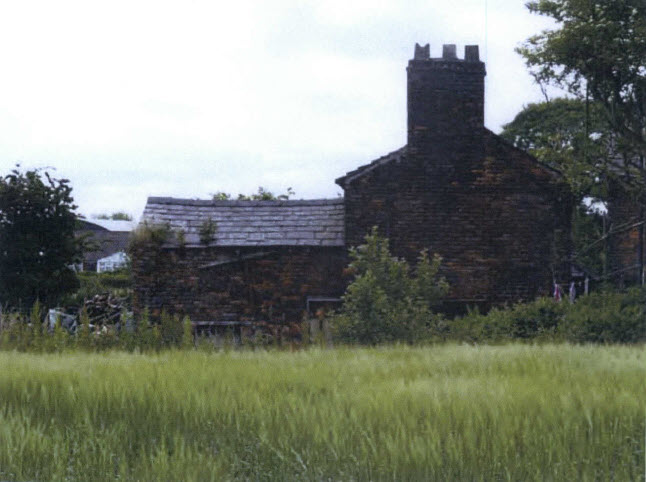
column 207, row 231
column 180, row 235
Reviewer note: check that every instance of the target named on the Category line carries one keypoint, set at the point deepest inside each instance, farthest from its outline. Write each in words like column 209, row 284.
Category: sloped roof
column 104, row 243
column 318, row 222
column 400, row 155
column 116, row 225
column 395, row 156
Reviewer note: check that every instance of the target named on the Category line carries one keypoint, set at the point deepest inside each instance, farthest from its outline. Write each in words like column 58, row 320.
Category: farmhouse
column 499, row 219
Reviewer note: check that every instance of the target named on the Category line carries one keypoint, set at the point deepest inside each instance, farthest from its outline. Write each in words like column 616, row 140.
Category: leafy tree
column 569, row 135
column 573, row 137
column 598, row 52
column 387, row 303
column 37, row 242
column 261, row 195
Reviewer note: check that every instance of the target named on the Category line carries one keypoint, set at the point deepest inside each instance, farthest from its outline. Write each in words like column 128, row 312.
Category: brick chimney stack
column 445, row 95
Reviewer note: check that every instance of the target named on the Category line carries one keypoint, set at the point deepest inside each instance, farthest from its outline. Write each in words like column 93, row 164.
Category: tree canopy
column 37, row 241
column 568, row 135
column 598, row 51
column 574, row 138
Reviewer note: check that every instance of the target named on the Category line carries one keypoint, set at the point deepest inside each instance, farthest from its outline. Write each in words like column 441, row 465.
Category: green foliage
column 588, row 230
column 188, row 340
column 598, row 50
column 60, row 338
column 142, row 332
column 570, row 136
column 37, row 222
column 577, row 140
column 83, row 335
column 116, row 216
column 523, row 321
column 385, row 302
column 148, row 236
column 117, row 283
column 601, row 317
column 180, row 235
column 207, row 231
column 261, row 195
column 445, row 413
column 171, row 330
column 607, row 317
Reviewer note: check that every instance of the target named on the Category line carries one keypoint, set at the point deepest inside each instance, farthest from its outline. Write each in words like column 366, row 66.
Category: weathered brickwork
column 624, row 261
column 499, row 219
column 236, row 283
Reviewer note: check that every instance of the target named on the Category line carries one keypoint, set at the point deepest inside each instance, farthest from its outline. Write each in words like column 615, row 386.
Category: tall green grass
column 516, row 412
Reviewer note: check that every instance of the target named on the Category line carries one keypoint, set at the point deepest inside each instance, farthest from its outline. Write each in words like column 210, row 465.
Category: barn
column 499, row 219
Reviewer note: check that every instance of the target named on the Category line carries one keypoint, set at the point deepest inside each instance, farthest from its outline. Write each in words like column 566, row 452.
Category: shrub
column 207, row 231
column 188, row 341
column 603, row 317
column 171, row 330
column 83, row 335
column 385, row 302
column 117, row 283
column 607, row 317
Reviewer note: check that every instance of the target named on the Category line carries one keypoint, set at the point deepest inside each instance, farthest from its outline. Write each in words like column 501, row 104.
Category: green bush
column 601, row 317
column 171, row 330
column 117, row 283
column 385, row 302
column 607, row 317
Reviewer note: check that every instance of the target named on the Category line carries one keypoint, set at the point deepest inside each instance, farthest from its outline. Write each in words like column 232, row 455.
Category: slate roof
column 102, row 244
column 318, row 222
column 395, row 156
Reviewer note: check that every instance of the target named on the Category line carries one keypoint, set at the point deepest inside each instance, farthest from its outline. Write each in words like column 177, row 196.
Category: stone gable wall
column 500, row 221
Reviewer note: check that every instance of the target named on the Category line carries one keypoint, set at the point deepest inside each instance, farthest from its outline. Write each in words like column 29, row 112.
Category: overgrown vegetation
column 207, row 232
column 528, row 413
column 116, row 216
column 148, row 235
column 386, row 302
column 117, row 283
column 262, row 195
column 602, row 317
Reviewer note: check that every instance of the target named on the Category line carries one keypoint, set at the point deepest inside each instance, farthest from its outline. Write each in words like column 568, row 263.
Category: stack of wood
column 105, row 308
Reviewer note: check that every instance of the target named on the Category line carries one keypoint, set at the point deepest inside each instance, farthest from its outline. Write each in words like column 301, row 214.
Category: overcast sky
column 184, row 98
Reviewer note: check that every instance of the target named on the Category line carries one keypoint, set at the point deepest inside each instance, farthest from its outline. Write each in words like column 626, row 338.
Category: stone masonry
column 499, row 219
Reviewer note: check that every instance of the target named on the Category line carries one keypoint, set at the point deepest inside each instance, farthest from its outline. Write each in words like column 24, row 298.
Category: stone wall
column 210, row 284
column 501, row 223
column 500, row 220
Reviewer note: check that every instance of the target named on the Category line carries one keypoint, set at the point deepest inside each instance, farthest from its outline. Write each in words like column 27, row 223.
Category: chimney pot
column 471, row 53
column 422, row 53
column 448, row 52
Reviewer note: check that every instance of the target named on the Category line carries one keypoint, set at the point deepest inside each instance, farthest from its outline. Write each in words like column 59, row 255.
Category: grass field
column 516, row 412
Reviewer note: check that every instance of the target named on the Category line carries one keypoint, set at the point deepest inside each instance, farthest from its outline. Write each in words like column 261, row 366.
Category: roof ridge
column 243, row 203
column 351, row 175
